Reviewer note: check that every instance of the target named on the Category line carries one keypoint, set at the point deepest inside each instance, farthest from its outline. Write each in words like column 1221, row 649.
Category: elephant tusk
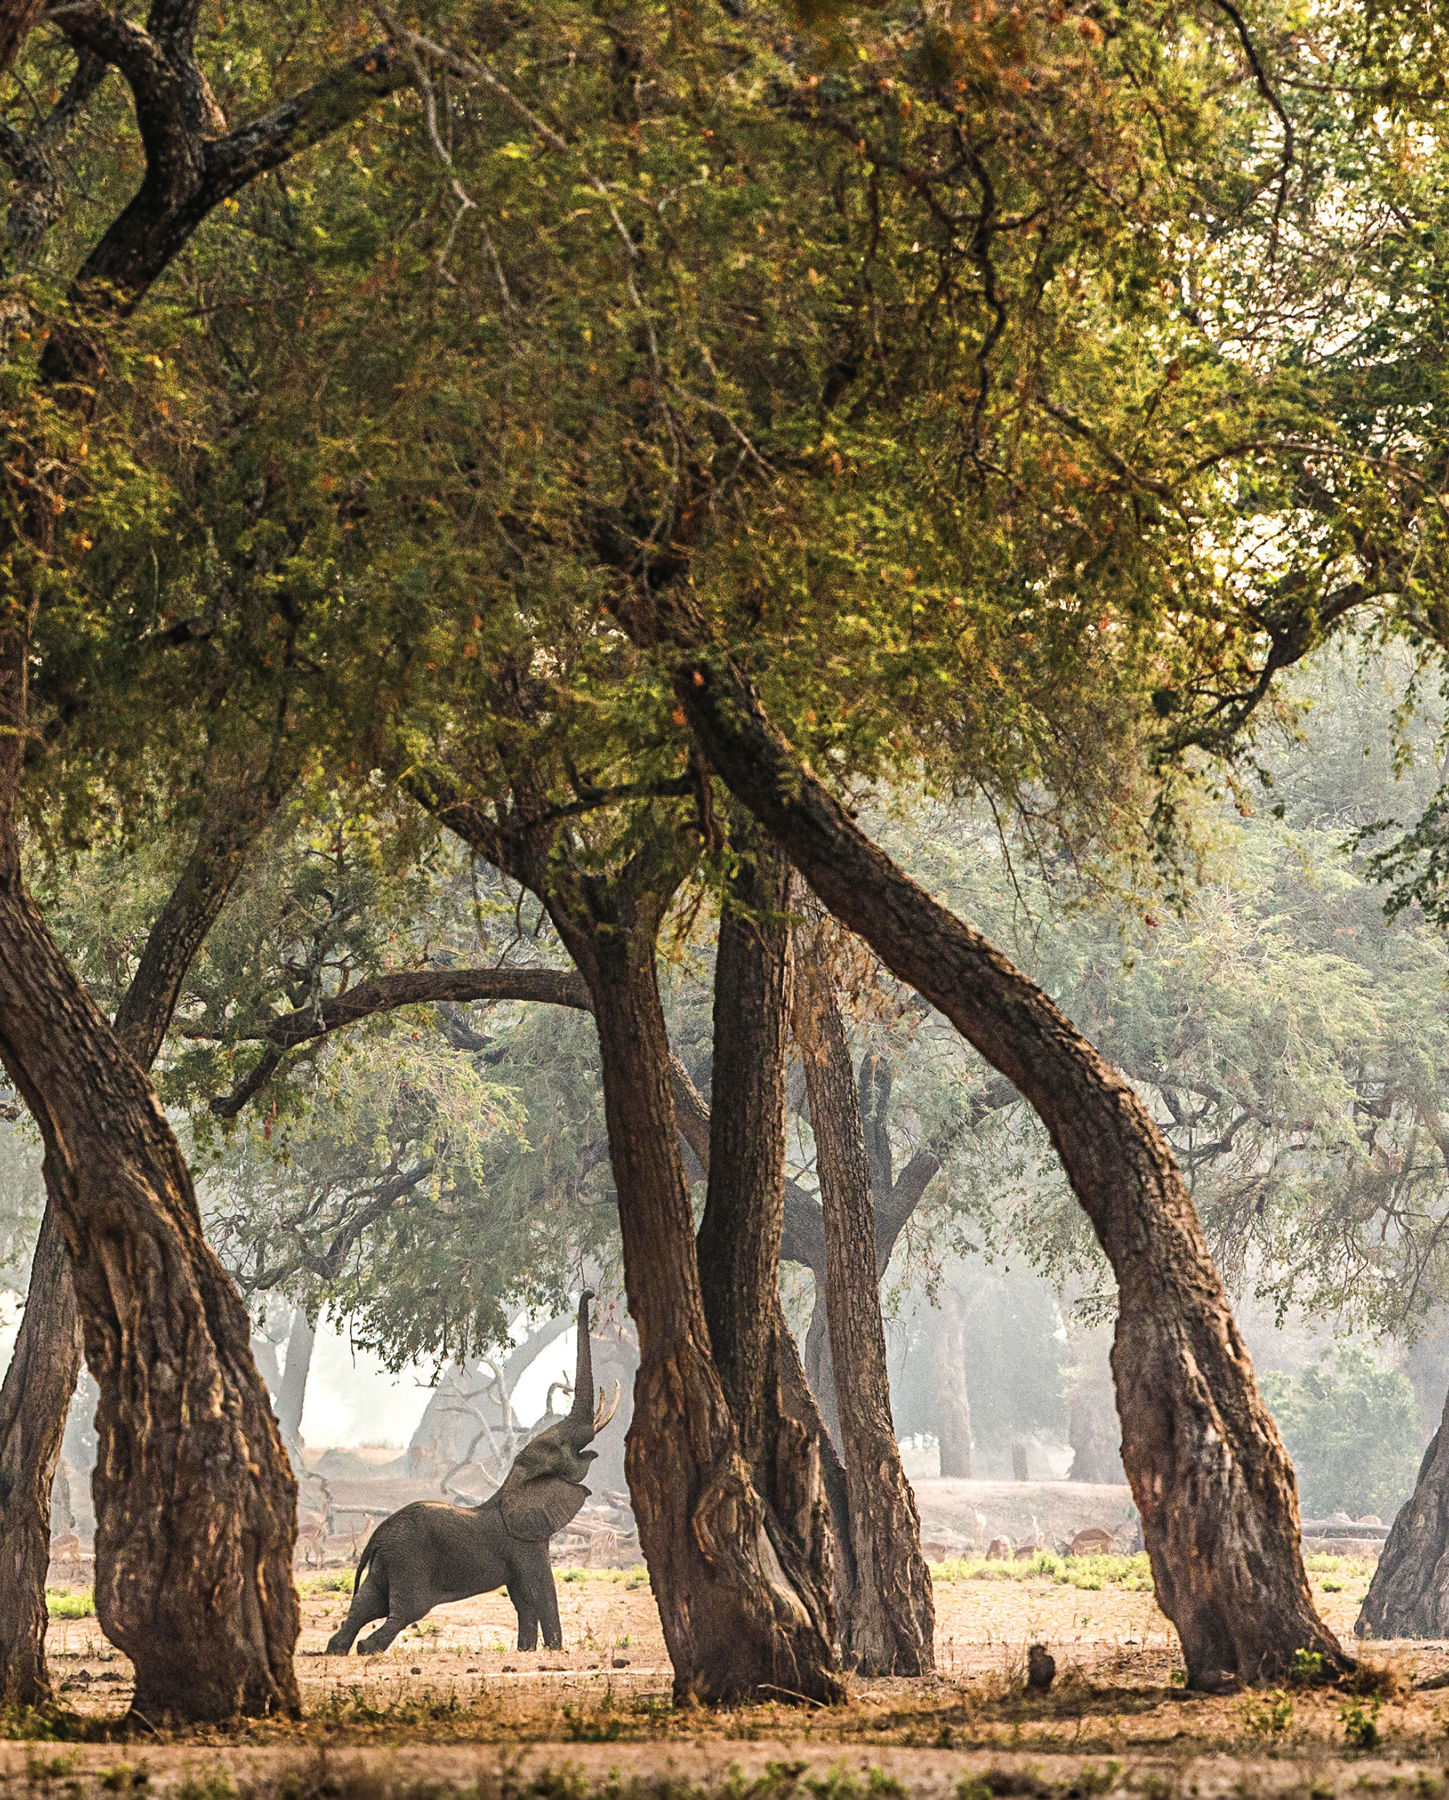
column 607, row 1409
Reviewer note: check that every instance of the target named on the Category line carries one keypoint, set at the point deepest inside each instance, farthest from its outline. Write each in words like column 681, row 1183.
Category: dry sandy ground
column 452, row 1706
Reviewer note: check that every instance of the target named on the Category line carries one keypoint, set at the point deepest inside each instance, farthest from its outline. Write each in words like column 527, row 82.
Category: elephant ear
column 539, row 1496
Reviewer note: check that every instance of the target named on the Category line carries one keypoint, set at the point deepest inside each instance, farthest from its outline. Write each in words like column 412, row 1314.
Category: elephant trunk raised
column 431, row 1552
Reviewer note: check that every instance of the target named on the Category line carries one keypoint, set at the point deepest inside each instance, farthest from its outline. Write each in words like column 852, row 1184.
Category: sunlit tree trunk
column 733, row 1622
column 953, row 1403
column 33, row 1399
column 734, row 1625
column 292, row 1390
column 1213, row 1484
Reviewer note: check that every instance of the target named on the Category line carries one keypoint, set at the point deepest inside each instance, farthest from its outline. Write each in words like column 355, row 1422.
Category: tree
column 677, row 493
column 738, row 1243
column 211, row 1627
column 732, row 1631
column 1185, row 1387
column 893, row 1622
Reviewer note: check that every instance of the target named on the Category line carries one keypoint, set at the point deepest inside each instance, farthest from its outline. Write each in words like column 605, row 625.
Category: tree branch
column 410, row 987
column 192, row 162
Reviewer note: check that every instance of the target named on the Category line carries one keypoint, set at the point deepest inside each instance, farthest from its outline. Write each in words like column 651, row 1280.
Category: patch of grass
column 216, row 1784
column 1353, row 1568
column 1268, row 1718
column 61, row 1603
column 585, row 1730
column 53, row 1725
column 37, row 1768
column 123, row 1779
column 1090, row 1572
column 1091, row 1780
column 634, row 1576
column 335, row 1581
column 1360, row 1723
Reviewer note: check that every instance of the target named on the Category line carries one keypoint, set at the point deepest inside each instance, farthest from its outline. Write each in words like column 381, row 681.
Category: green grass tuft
column 61, row 1603
column 1089, row 1572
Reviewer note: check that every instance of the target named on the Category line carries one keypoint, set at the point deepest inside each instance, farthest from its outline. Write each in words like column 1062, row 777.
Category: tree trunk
column 799, row 1402
column 292, row 1394
column 33, row 1401
column 820, row 1362
column 738, row 1245
column 735, row 1627
column 1409, row 1594
column 1092, row 1428
column 953, row 1418
column 1214, row 1486
column 195, row 1506
column 194, row 1501
column 893, row 1626
column 796, row 1395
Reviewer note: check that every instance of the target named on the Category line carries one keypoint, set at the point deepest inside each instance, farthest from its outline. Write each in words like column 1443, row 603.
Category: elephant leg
column 536, row 1579
column 390, row 1627
column 527, row 1615
column 368, row 1603
column 408, row 1604
column 548, row 1615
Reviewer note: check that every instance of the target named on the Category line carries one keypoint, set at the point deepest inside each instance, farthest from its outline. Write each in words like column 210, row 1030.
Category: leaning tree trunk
column 738, row 1245
column 195, row 1506
column 38, row 1385
column 1409, row 1594
column 953, row 1404
column 734, row 1625
column 892, row 1631
column 1208, row 1470
column 194, row 1500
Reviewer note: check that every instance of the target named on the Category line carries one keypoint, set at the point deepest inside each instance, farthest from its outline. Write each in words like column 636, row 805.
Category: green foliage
column 61, row 1603
column 1360, row 1723
column 1308, row 1664
column 1269, row 1717
column 1351, row 1429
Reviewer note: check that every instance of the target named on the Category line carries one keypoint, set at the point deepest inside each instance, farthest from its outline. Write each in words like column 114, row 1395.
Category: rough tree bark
column 208, row 1616
column 953, row 1417
column 819, row 1357
column 796, row 1395
column 1211, row 1479
column 734, row 1625
column 892, row 1630
column 33, row 1399
column 738, row 1245
column 896, row 1198
column 1409, row 1594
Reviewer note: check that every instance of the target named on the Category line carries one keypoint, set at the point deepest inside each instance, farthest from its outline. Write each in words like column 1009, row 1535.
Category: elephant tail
column 362, row 1562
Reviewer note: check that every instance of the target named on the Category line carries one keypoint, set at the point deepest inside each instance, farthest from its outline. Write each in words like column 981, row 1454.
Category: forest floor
column 452, row 1713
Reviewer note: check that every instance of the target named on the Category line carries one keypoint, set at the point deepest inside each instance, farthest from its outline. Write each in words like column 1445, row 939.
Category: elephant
column 431, row 1552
